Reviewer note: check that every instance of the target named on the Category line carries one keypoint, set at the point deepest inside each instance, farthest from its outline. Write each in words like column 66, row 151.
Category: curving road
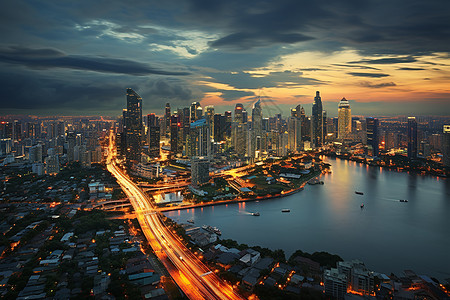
column 191, row 275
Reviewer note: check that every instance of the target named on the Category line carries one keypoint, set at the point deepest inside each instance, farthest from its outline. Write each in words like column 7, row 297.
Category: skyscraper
column 133, row 126
column 153, row 135
column 166, row 125
column 317, row 121
column 194, row 107
column 372, row 135
column 199, row 141
column 446, row 145
column 209, row 116
column 175, row 124
column 256, row 128
column 412, row 138
column 344, row 119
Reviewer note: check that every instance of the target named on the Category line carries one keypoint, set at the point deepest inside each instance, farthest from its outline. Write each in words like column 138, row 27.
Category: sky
column 78, row 57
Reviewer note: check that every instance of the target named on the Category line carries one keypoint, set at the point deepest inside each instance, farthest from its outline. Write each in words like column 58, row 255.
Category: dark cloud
column 411, row 69
column 244, row 40
column 377, row 85
column 386, row 60
column 230, row 95
column 356, row 66
column 50, row 58
column 373, row 75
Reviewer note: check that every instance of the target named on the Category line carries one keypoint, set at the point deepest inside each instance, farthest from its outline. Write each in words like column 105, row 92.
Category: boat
column 256, row 214
column 285, row 210
column 190, row 221
column 359, row 193
column 362, row 205
column 403, row 200
column 211, row 229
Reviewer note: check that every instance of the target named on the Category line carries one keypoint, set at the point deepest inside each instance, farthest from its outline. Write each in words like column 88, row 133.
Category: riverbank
column 238, row 200
column 399, row 163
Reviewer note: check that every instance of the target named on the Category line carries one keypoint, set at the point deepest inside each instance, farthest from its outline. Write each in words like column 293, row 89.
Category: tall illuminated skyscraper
column 256, row 134
column 344, row 119
column 166, row 125
column 133, row 126
column 317, row 121
column 372, row 135
column 446, row 145
column 194, row 113
column 412, row 138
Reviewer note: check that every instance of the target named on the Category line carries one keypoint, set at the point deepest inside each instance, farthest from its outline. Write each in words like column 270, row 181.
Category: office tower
column 228, row 122
column 152, row 120
column 256, row 128
column 209, row 116
column 317, row 121
column 35, row 154
column 199, row 170
column 239, row 131
column 167, row 119
column 324, row 125
column 220, row 127
column 412, row 138
column 199, row 141
column 52, row 164
column 175, row 124
column 199, row 113
column 133, row 127
column 154, row 136
column 372, row 135
column 194, row 113
column 446, row 145
column 294, row 134
column 5, row 146
column 185, row 119
column 238, row 111
column 71, row 143
column 344, row 119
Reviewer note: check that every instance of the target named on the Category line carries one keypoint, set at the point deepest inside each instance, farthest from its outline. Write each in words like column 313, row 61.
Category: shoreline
column 392, row 168
column 239, row 200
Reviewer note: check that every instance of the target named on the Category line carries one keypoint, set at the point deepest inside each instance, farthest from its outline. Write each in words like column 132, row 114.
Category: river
column 386, row 234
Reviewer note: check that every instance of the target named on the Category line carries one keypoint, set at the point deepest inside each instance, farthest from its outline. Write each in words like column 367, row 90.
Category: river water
column 387, row 235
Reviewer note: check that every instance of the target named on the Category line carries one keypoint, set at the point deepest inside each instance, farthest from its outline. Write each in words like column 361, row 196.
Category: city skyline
column 60, row 60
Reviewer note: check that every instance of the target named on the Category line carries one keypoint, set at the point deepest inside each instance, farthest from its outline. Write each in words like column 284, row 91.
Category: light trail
column 184, row 267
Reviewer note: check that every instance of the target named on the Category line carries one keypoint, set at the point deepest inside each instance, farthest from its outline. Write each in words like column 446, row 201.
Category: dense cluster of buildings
column 204, row 136
column 45, row 144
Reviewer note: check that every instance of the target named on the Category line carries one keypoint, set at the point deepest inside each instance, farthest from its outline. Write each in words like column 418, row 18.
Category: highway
column 191, row 275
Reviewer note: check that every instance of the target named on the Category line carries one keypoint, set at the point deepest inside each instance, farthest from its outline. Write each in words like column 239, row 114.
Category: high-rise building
column 238, row 110
column 446, row 145
column 209, row 116
column 199, row 141
column 199, row 170
column 294, row 134
column 175, row 125
column 256, row 129
column 317, row 121
column 166, row 119
column 133, row 127
column 344, row 119
column 412, row 138
column 220, row 127
column 372, row 135
column 52, row 164
column 228, row 122
column 194, row 113
column 239, row 131
column 35, row 154
column 153, row 136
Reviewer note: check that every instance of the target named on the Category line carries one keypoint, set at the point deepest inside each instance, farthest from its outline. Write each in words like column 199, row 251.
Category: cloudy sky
column 78, row 57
